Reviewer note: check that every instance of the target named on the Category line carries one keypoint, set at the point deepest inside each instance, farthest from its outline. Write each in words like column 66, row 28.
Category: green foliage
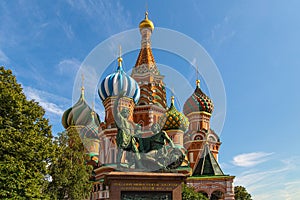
column 240, row 193
column 70, row 175
column 26, row 146
column 188, row 193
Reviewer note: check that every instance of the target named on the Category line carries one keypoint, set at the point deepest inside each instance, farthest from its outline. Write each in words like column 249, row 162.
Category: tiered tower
column 81, row 119
column 152, row 103
column 91, row 141
column 109, row 89
column 203, row 146
column 198, row 109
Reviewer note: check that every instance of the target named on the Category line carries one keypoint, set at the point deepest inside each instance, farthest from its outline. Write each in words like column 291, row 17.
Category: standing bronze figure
column 125, row 136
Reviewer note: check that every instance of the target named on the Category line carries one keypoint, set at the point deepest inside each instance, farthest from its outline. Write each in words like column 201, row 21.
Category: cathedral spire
column 145, row 70
column 198, row 83
column 145, row 56
column 172, row 100
column 93, row 111
column 120, row 59
column 82, row 87
column 197, row 77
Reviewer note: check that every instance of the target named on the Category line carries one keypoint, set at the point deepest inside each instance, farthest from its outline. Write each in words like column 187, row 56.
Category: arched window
column 204, row 193
column 141, row 124
column 217, row 195
column 212, row 139
column 112, row 155
column 198, row 137
column 172, row 137
column 142, row 103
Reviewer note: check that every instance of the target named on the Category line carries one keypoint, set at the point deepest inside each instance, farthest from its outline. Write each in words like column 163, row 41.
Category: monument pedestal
column 144, row 185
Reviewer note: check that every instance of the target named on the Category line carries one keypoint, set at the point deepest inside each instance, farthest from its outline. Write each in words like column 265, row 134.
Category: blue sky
column 255, row 45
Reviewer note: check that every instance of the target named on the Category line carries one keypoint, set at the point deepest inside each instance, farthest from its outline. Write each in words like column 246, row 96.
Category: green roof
column 207, row 164
column 207, row 177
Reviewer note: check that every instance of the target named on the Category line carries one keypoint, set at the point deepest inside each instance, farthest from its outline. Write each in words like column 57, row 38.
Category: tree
column 188, row 193
column 26, row 147
column 69, row 173
column 240, row 193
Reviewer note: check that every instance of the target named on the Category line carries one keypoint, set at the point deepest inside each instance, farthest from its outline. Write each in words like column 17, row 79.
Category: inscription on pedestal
column 145, row 186
column 134, row 195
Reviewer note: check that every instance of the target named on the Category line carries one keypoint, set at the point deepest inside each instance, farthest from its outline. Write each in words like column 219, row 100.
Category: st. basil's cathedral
column 145, row 98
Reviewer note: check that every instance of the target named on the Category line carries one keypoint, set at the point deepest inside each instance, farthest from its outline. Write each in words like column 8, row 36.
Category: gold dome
column 146, row 23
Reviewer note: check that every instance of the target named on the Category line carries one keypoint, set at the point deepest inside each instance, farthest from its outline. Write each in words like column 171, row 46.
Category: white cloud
column 68, row 30
column 291, row 190
column 52, row 108
column 253, row 177
column 222, row 32
column 68, row 66
column 105, row 12
column 3, row 58
column 276, row 180
column 46, row 100
column 251, row 159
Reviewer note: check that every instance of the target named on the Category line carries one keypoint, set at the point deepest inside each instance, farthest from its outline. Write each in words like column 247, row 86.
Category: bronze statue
column 125, row 136
column 156, row 154
column 160, row 153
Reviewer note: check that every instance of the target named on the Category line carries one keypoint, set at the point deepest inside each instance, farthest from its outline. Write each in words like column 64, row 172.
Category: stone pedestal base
column 144, row 185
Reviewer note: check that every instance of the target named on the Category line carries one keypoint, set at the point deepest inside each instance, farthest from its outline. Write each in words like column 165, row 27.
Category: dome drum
column 124, row 102
column 90, row 138
column 176, row 135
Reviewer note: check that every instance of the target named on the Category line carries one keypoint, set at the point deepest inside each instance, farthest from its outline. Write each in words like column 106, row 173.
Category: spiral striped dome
column 117, row 82
column 79, row 114
column 198, row 102
column 173, row 119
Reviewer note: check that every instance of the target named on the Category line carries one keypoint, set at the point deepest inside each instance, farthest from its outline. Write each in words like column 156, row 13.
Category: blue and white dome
column 117, row 82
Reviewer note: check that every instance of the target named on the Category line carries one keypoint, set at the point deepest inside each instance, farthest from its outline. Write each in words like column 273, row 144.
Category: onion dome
column 117, row 82
column 146, row 23
column 90, row 138
column 79, row 114
column 198, row 102
column 173, row 119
